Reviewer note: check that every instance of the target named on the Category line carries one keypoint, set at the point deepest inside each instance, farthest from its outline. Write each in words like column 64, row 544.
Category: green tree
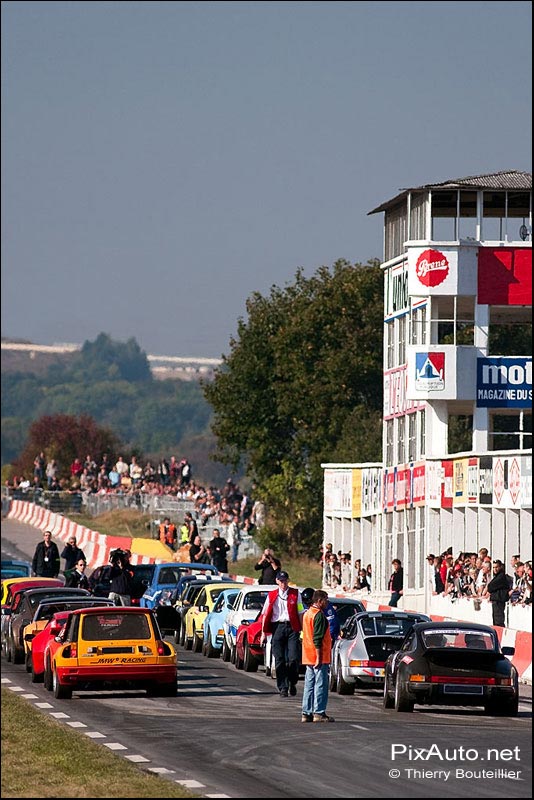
column 105, row 359
column 302, row 385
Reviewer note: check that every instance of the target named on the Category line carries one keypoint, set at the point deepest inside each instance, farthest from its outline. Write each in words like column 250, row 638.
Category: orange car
column 114, row 647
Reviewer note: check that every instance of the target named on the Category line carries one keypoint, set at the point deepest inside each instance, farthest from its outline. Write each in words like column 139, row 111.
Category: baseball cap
column 282, row 576
column 431, row 555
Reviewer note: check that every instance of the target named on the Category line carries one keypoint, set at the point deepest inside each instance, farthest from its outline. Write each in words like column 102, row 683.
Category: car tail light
column 504, row 681
column 161, row 648
column 220, row 632
column 417, row 678
column 360, row 663
column 245, row 622
column 71, row 651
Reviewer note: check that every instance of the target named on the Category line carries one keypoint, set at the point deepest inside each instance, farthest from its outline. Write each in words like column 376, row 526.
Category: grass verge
column 41, row 758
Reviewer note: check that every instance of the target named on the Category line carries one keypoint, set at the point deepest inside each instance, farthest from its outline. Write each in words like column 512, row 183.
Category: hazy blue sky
column 161, row 161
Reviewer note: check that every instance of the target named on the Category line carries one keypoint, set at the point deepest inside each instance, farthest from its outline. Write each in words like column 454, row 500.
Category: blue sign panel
column 504, row 382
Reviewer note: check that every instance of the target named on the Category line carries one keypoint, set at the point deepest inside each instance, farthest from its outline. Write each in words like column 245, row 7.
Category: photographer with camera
column 269, row 566
column 121, row 578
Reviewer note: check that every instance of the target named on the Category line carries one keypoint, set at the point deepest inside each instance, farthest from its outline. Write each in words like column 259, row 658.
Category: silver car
column 364, row 644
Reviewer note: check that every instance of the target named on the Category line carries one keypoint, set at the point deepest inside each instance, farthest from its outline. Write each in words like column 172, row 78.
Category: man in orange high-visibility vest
column 316, row 650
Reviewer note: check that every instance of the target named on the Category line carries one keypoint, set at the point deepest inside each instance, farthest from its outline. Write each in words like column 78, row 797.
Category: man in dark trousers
column 498, row 589
column 282, row 616
column 46, row 561
column 396, row 583
column 218, row 548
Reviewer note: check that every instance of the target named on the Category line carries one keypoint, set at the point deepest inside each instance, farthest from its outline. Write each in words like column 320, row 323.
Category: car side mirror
column 203, row 608
column 28, row 637
column 508, row 651
column 145, row 582
column 6, row 612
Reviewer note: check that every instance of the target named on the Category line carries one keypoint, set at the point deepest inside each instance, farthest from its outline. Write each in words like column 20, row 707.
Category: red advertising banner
column 447, row 487
column 418, row 484
column 505, row 276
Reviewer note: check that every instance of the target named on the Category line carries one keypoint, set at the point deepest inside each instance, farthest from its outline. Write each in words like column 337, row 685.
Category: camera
column 117, row 556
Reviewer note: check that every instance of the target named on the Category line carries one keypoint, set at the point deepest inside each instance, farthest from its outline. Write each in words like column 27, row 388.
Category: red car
column 249, row 652
column 41, row 639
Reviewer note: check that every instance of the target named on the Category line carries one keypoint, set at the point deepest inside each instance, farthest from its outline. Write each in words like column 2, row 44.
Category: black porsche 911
column 452, row 663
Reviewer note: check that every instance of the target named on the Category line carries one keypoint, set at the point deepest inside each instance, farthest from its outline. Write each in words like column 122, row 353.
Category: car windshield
column 169, row 575
column 14, row 572
column 253, row 601
column 455, row 637
column 387, row 625
column 345, row 611
column 45, row 610
column 98, row 627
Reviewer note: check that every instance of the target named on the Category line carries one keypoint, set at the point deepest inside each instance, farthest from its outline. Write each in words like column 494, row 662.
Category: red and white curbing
column 96, row 546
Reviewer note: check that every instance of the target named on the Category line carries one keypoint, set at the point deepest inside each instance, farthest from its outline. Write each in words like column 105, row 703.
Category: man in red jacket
column 282, row 617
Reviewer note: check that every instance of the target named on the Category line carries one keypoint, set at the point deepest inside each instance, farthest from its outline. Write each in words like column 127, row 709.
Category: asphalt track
column 228, row 734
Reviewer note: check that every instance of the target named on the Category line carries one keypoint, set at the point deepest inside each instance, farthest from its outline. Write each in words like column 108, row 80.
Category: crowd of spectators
column 340, row 573
column 229, row 507
column 469, row 575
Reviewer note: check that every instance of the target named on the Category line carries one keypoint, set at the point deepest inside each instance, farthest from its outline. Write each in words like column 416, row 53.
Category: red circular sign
column 432, row 267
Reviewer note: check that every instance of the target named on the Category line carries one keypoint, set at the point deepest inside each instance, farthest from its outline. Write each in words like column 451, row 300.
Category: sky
column 163, row 161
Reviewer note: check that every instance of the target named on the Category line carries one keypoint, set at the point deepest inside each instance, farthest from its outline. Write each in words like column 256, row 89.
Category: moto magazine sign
column 504, row 382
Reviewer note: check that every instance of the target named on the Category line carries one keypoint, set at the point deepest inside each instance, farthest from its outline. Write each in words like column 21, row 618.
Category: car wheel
column 233, row 653
column 332, row 681
column 197, row 642
column 182, row 635
column 47, row 678
column 60, row 692
column 238, row 661
column 36, row 677
column 225, row 651
column 503, row 708
column 211, row 651
column 28, row 662
column 342, row 686
column 388, row 701
column 188, row 643
column 402, row 702
column 177, row 636
column 250, row 662
column 162, row 690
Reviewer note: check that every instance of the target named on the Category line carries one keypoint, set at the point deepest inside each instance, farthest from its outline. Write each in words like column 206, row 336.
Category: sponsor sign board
column 371, row 491
column 505, row 276
column 432, row 270
column 507, row 482
column 429, row 371
column 485, row 481
column 396, row 297
column 338, row 491
column 504, row 382
column 357, row 492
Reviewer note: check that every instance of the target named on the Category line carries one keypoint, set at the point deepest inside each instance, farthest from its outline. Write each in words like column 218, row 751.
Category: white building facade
column 457, row 413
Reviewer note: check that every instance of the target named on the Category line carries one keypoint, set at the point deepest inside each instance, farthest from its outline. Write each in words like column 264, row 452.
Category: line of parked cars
column 70, row 639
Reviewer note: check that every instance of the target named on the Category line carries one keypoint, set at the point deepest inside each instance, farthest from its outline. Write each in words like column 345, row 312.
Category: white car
column 246, row 608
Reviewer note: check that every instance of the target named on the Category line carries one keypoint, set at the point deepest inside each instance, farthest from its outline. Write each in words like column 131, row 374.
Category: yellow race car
column 110, row 647
column 203, row 603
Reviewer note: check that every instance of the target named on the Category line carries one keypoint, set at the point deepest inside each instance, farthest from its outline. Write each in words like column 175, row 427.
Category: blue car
column 213, row 623
column 166, row 577
column 14, row 568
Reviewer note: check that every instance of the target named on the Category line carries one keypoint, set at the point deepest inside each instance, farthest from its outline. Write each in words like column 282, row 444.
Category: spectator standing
column 46, row 561
column 77, row 578
column 218, row 548
column 498, row 590
column 282, row 617
column 269, row 566
column 234, row 536
column 316, row 651
column 168, row 534
column 76, row 469
column 396, row 582
column 519, row 585
column 39, row 466
column 186, row 473
column 197, row 551
column 52, row 471
column 121, row 582
column 72, row 554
